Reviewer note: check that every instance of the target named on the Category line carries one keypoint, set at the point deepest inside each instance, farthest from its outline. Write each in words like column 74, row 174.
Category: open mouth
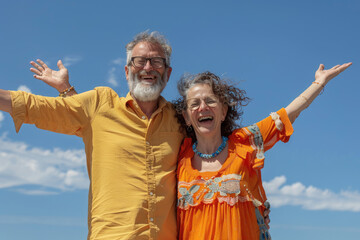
column 148, row 78
column 205, row 119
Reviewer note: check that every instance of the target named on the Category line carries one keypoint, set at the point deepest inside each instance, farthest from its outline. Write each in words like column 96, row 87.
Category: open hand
column 323, row 76
column 56, row 79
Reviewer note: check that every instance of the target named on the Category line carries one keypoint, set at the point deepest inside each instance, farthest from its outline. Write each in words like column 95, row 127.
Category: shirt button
column 151, row 219
column 143, row 117
column 151, row 193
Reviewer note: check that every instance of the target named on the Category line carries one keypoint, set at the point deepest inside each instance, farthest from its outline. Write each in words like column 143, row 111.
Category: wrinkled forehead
column 200, row 90
column 148, row 49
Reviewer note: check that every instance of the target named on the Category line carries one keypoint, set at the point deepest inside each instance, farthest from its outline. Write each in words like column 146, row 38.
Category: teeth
column 148, row 77
column 205, row 118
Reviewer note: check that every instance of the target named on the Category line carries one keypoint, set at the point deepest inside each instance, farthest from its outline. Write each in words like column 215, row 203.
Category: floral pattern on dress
column 225, row 189
column 257, row 141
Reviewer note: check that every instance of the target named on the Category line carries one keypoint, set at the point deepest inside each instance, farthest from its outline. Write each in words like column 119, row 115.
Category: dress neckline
column 208, row 174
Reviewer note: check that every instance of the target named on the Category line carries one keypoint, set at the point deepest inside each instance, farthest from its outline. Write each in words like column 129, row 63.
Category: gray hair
column 153, row 37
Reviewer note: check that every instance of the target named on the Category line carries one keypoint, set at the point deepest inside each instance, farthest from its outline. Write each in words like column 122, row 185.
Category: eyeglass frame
column 217, row 101
column 149, row 59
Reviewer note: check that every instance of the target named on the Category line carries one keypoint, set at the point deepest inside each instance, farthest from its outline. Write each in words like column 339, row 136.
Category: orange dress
column 223, row 204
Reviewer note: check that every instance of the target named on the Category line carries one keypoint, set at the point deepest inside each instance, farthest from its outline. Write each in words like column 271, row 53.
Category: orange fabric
column 220, row 205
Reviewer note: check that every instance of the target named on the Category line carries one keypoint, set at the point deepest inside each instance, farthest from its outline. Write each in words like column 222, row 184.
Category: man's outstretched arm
column 56, row 79
column 5, row 101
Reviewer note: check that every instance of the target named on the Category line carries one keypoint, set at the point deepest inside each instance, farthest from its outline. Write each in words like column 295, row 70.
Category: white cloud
column 310, row 197
column 50, row 171
column 70, row 60
column 112, row 77
column 24, row 88
column 60, row 170
column 2, row 117
column 119, row 61
column 36, row 192
column 42, row 220
column 327, row 229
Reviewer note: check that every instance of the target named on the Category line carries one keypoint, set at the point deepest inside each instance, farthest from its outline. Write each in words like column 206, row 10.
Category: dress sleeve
column 263, row 135
column 274, row 128
column 63, row 115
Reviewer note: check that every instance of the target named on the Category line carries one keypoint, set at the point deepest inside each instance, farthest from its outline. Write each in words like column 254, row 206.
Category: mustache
column 152, row 72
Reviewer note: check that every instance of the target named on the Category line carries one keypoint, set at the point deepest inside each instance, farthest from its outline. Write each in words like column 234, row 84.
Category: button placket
column 151, row 183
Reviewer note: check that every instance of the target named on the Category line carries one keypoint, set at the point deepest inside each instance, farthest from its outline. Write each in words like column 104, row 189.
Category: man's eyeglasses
column 156, row 62
column 194, row 103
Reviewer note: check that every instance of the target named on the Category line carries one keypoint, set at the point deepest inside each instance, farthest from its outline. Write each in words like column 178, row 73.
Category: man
column 131, row 143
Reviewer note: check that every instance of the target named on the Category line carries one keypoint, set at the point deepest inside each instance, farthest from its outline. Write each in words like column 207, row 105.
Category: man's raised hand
column 56, row 79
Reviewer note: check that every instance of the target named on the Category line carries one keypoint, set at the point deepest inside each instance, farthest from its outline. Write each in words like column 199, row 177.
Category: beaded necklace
column 217, row 152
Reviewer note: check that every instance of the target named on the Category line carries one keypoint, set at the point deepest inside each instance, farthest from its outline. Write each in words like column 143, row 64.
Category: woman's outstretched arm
column 322, row 77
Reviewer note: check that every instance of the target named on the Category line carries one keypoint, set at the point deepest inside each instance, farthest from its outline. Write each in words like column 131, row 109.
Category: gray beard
column 145, row 92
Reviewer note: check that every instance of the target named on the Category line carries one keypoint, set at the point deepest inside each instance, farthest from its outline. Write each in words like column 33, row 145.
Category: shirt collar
column 130, row 101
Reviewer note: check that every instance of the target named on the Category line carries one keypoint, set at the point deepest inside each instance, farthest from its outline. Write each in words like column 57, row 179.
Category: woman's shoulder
column 185, row 147
column 242, row 135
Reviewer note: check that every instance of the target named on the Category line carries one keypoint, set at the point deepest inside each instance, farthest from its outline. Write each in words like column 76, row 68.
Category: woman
column 220, row 193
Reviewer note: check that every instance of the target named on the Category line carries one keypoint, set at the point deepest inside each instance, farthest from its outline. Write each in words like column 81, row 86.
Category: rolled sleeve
column 62, row 115
column 18, row 109
column 287, row 130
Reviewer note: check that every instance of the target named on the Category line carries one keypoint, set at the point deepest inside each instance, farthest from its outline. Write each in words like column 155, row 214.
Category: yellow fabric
column 220, row 205
column 131, row 159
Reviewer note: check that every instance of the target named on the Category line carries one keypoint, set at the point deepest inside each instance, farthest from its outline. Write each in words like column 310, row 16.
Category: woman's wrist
column 320, row 81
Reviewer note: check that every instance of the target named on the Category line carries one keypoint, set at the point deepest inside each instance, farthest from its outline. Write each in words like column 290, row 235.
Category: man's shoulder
column 104, row 89
column 106, row 92
column 169, row 107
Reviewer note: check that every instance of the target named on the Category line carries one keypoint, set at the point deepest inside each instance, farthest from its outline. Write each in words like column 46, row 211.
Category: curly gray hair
column 153, row 37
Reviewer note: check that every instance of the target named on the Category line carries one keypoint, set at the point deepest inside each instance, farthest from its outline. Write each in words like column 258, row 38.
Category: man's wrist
column 67, row 92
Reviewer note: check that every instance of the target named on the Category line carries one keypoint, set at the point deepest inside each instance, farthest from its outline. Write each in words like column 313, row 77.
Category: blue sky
column 269, row 48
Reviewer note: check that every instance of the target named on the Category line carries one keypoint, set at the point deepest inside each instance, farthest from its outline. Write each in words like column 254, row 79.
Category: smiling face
column 146, row 83
column 204, row 111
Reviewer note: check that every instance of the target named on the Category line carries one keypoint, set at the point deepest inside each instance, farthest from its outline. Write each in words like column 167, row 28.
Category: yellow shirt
column 131, row 160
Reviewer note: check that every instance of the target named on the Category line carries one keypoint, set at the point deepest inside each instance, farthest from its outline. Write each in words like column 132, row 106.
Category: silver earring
column 189, row 128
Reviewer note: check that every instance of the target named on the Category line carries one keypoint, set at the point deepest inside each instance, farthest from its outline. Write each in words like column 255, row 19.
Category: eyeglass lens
column 194, row 103
column 156, row 62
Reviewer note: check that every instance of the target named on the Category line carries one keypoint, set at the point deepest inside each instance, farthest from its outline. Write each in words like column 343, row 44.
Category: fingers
column 39, row 77
column 344, row 66
column 38, row 74
column 60, row 65
column 340, row 68
column 42, row 63
column 332, row 72
column 34, row 70
column 39, row 68
column 321, row 67
column 336, row 66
